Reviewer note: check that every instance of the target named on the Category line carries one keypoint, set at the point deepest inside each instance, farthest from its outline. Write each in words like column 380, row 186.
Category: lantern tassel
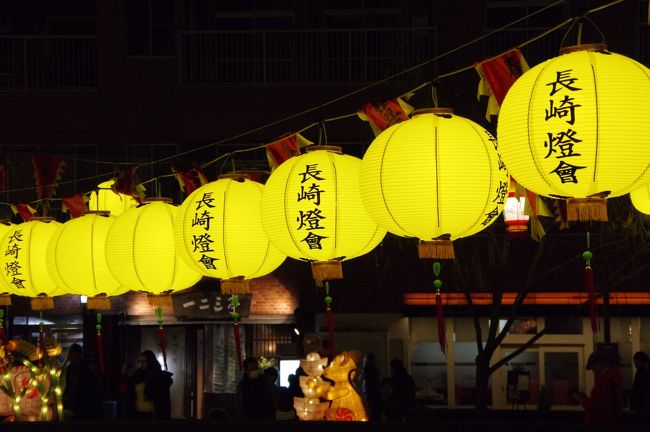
column 440, row 318
column 235, row 330
column 237, row 285
column 42, row 303
column 5, row 299
column 591, row 290
column 162, row 337
column 159, row 300
column 329, row 317
column 327, row 270
column 439, row 248
column 100, row 344
column 98, row 302
column 593, row 208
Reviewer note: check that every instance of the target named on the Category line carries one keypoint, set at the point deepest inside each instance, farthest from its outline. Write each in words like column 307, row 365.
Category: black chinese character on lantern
column 310, row 219
column 13, row 250
column 13, row 268
column 566, row 108
column 562, row 143
column 203, row 220
column 18, row 283
column 312, row 193
column 208, row 262
column 202, row 243
column 313, row 240
column 17, row 236
column 206, row 200
column 502, row 192
column 311, row 171
column 489, row 216
column 563, row 79
column 502, row 166
column 566, row 172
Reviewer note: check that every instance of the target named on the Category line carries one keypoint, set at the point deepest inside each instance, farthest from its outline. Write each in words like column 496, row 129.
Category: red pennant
column 384, row 114
column 186, row 179
column 126, row 183
column 25, row 212
column 75, row 205
column 502, row 71
column 440, row 318
column 47, row 171
column 279, row 151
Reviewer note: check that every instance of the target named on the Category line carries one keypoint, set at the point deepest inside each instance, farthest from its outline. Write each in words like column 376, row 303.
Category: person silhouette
column 149, row 389
column 254, row 397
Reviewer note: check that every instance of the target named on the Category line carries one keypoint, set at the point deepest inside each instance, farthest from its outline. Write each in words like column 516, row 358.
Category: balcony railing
column 302, row 56
column 47, row 62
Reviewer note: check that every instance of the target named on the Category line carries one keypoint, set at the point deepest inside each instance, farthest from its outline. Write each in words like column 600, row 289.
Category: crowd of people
column 259, row 396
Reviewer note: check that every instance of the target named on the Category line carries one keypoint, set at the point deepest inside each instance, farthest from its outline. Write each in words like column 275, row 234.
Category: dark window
column 150, row 28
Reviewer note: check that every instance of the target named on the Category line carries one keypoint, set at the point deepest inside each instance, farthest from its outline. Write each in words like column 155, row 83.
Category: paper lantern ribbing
column 141, row 253
column 576, row 126
column 641, row 199
column 77, row 259
column 5, row 289
column 436, row 177
column 219, row 232
column 312, row 211
column 24, row 260
column 104, row 198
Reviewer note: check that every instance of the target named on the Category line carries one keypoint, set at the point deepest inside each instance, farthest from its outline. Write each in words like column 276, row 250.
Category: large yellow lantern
column 77, row 259
column 576, row 126
column 641, row 199
column 219, row 233
column 141, row 253
column 5, row 289
column 106, row 199
column 24, row 262
column 436, row 177
column 312, row 211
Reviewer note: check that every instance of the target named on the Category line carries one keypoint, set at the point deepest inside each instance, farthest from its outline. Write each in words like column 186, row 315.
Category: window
column 151, row 28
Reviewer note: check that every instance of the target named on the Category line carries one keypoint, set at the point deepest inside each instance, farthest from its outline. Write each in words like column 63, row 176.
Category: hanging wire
column 434, row 94
column 335, row 100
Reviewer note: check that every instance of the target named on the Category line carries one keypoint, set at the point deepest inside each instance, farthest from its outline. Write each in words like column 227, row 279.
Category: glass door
column 562, row 369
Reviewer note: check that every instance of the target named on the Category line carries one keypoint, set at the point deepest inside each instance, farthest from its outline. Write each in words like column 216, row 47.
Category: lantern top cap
column 158, row 199
column 329, row 148
column 436, row 111
column 584, row 47
column 99, row 212
column 235, row 175
column 5, row 222
column 43, row 218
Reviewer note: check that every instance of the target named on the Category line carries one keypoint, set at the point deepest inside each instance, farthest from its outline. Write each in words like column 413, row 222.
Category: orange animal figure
column 346, row 402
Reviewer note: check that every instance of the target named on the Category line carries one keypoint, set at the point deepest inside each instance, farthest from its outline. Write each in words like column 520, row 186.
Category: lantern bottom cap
column 5, row 299
column 237, row 285
column 161, row 300
column 590, row 209
column 326, row 270
column 436, row 249
column 42, row 303
column 98, row 302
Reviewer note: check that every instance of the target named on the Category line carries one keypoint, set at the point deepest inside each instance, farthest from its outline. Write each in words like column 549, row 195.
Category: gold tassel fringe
column 98, row 302
column 591, row 209
column 237, row 285
column 161, row 300
column 440, row 248
column 42, row 303
column 5, row 299
column 327, row 270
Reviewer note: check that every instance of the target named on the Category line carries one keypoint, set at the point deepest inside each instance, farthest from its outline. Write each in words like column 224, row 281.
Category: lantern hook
column 322, row 133
column 580, row 21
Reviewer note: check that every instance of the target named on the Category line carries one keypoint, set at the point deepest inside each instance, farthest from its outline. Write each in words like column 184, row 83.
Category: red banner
column 382, row 115
column 497, row 76
column 285, row 148
column 25, row 211
column 47, row 172
column 75, row 205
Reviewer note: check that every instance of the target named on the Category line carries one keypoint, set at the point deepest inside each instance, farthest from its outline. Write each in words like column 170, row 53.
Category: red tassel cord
column 41, row 340
column 100, row 345
column 234, row 304
column 440, row 317
column 329, row 316
column 590, row 286
column 162, row 337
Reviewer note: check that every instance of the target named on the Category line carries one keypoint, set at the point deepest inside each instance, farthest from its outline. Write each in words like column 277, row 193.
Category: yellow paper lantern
column 312, row 211
column 641, row 199
column 141, row 253
column 104, row 198
column 5, row 289
column 77, row 259
column 436, row 177
column 24, row 261
column 576, row 126
column 219, row 233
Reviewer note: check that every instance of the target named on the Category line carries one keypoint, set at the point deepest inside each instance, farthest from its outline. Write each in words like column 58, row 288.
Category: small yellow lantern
column 24, row 261
column 576, row 126
column 77, row 259
column 312, row 211
column 436, row 177
column 641, row 199
column 220, row 234
column 5, row 289
column 104, row 198
column 141, row 253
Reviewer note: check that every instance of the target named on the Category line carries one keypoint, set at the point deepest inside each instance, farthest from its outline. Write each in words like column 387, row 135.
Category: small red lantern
column 513, row 213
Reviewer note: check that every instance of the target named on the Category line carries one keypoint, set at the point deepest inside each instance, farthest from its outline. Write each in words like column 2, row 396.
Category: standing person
column 81, row 396
column 639, row 397
column 403, row 396
column 371, row 386
column 149, row 389
column 254, row 397
column 605, row 404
